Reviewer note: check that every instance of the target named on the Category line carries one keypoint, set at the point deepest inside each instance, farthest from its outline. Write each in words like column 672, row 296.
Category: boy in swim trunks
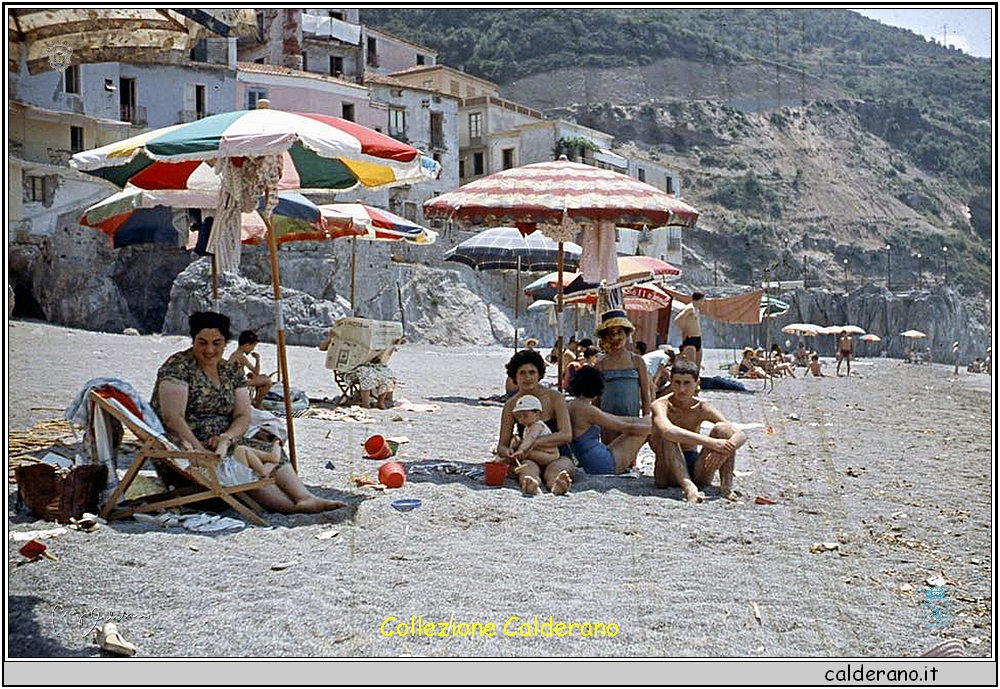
column 528, row 413
column 678, row 461
column 687, row 320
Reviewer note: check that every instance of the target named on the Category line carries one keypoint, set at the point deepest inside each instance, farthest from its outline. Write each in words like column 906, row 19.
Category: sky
column 970, row 28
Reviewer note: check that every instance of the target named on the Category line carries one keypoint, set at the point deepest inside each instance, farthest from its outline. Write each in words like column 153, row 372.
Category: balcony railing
column 136, row 114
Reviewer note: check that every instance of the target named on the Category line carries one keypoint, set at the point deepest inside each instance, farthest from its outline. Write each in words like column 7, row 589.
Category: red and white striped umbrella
column 548, row 192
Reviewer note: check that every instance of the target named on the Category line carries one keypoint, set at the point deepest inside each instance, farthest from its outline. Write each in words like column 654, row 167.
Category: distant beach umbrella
column 507, row 248
column 870, row 337
column 802, row 329
column 852, row 330
column 913, row 334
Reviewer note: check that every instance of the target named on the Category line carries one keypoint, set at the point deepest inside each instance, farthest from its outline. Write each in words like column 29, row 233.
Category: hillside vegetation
column 887, row 138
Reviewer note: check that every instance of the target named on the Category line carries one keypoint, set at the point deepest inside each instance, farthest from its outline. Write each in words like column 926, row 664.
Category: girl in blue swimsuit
column 588, row 421
column 627, row 390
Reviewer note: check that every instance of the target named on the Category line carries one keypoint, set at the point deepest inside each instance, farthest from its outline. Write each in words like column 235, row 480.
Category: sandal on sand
column 111, row 641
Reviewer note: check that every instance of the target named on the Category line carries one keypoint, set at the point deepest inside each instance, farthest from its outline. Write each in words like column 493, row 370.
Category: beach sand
column 893, row 465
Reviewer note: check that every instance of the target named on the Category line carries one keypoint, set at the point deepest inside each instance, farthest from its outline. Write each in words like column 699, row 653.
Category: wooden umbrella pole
column 272, row 245
column 517, row 299
column 559, row 310
column 354, row 263
column 215, row 283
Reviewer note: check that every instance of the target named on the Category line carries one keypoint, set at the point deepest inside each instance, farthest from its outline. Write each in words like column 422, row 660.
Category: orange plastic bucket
column 392, row 475
column 496, row 473
column 376, row 447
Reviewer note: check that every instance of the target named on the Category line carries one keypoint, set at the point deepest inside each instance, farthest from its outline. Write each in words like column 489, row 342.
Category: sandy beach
column 892, row 465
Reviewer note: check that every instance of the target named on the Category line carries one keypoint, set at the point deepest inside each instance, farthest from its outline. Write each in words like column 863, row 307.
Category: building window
column 260, row 26
column 461, row 168
column 194, row 102
column 127, row 101
column 71, row 79
column 254, row 95
column 437, row 130
column 199, row 53
column 397, row 122
column 75, row 139
column 260, row 61
column 336, row 66
column 305, row 61
column 508, row 158
column 640, row 174
column 36, row 188
column 335, row 15
column 372, row 58
column 477, row 164
column 475, row 125
column 420, row 59
column 347, row 111
column 410, row 210
column 670, row 184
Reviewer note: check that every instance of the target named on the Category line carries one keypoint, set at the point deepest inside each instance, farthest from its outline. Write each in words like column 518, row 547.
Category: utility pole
column 805, row 271
column 944, row 250
column 845, row 276
column 715, row 279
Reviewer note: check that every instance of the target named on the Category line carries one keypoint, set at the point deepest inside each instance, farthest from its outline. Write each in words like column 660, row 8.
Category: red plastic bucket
column 392, row 475
column 496, row 473
column 376, row 447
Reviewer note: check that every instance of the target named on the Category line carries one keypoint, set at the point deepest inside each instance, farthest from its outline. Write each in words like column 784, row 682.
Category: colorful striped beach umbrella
column 249, row 153
column 380, row 223
column 549, row 192
column 317, row 152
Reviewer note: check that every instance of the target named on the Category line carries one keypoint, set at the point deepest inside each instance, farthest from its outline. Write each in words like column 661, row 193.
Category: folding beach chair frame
column 159, row 451
column 350, row 393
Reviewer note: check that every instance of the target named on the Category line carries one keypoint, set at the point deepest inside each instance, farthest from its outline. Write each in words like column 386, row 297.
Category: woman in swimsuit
column 626, row 378
column 527, row 369
column 589, row 422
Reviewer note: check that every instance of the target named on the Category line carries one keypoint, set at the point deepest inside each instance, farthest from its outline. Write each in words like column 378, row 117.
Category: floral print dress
column 209, row 408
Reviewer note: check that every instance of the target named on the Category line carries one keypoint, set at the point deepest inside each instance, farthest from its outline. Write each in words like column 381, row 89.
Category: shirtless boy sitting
column 528, row 413
column 677, row 418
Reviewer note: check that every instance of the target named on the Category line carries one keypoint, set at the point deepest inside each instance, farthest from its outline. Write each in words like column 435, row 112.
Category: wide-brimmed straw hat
column 531, row 342
column 615, row 318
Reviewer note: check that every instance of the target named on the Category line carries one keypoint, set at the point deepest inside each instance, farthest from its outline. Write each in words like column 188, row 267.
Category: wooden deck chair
column 350, row 393
column 198, row 468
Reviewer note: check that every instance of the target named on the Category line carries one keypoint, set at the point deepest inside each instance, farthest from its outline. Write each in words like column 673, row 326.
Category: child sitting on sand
column 528, row 414
column 815, row 366
column 263, row 463
column 258, row 384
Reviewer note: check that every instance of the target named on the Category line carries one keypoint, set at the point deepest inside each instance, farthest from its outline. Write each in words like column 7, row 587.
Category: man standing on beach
column 677, row 419
column 954, row 355
column 845, row 347
column 687, row 320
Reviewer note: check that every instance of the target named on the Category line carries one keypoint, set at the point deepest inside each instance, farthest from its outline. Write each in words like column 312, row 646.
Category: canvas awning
column 741, row 308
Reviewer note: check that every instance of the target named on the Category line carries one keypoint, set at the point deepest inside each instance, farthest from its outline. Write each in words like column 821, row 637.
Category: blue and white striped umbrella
column 500, row 248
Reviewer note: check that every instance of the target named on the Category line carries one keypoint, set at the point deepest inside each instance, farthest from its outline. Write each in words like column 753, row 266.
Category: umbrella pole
column 215, row 283
column 354, row 263
column 272, row 245
column 517, row 299
column 559, row 311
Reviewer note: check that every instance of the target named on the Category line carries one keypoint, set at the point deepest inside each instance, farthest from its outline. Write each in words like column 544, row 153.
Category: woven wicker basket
column 56, row 494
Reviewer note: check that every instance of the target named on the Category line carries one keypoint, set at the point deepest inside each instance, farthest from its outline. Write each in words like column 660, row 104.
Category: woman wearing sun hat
column 626, row 378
